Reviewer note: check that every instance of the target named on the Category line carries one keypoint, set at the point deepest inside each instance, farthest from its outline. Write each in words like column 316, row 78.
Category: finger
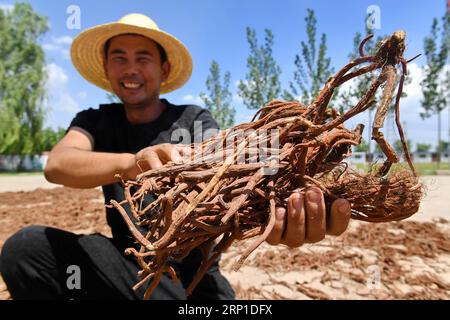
column 315, row 215
column 153, row 159
column 167, row 152
column 143, row 165
column 295, row 230
column 185, row 152
column 276, row 234
column 175, row 156
column 339, row 217
column 184, row 149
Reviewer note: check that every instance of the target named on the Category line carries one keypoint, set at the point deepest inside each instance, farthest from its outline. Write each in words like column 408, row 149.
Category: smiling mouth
column 130, row 85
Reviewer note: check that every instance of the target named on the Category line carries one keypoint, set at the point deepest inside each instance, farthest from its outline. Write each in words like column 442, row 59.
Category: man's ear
column 165, row 70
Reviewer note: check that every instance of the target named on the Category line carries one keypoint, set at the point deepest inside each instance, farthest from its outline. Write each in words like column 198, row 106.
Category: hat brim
column 87, row 54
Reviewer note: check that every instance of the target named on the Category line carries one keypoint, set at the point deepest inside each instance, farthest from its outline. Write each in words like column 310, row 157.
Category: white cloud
column 6, row 7
column 60, row 45
column 411, row 105
column 189, row 98
column 243, row 117
column 66, row 54
column 50, row 47
column 82, row 94
column 63, row 40
column 237, row 99
column 67, row 104
column 57, row 77
column 59, row 98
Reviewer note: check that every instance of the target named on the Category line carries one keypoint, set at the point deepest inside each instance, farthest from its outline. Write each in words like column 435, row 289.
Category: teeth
column 131, row 85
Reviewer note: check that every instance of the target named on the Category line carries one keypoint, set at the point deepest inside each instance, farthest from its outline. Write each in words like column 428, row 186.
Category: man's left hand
column 306, row 220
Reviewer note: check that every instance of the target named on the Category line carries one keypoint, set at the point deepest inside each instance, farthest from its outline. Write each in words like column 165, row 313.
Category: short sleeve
column 87, row 120
column 204, row 126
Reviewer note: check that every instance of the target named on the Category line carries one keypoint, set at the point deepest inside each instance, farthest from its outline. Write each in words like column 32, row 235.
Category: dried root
column 230, row 186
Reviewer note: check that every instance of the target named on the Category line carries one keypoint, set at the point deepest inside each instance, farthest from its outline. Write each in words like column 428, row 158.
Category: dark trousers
column 46, row 263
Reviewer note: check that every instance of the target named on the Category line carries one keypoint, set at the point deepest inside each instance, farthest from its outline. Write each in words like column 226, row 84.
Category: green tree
column 433, row 85
column 362, row 147
column 443, row 147
column 313, row 67
column 398, row 147
column 22, row 77
column 50, row 137
column 9, row 129
column 447, row 96
column 262, row 80
column 423, row 147
column 218, row 100
column 112, row 98
column 378, row 149
column 10, row 126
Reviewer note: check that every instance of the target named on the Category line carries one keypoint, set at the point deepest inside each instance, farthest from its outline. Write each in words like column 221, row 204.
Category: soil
column 399, row 260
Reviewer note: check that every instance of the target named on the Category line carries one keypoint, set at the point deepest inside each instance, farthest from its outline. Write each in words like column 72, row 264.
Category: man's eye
column 119, row 59
column 143, row 59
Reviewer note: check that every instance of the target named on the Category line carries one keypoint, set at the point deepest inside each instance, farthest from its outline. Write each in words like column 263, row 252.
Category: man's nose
column 130, row 68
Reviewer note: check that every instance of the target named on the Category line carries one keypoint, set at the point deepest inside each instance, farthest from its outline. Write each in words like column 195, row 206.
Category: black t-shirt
column 112, row 132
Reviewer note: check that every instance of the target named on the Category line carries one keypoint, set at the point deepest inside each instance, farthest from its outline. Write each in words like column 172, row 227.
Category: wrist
column 127, row 166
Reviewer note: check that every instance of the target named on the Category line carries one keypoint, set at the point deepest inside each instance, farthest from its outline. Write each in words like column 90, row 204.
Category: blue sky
column 215, row 29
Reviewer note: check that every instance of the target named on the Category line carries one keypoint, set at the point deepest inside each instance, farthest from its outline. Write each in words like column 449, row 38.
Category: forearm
column 77, row 168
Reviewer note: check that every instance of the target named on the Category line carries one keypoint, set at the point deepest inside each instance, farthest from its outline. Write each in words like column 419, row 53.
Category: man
column 136, row 61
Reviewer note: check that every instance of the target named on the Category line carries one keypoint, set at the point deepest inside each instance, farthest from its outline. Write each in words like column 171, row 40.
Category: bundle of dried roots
column 230, row 186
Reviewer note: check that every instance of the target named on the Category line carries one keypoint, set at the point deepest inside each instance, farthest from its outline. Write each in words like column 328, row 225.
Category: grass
column 421, row 168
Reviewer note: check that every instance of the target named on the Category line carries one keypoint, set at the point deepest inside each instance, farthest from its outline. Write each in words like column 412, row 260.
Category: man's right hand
column 155, row 157
column 73, row 163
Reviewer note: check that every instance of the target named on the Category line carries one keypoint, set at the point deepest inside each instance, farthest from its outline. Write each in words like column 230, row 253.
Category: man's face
column 133, row 67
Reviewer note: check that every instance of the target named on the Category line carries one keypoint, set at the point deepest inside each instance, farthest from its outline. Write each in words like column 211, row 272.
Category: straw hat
column 87, row 50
